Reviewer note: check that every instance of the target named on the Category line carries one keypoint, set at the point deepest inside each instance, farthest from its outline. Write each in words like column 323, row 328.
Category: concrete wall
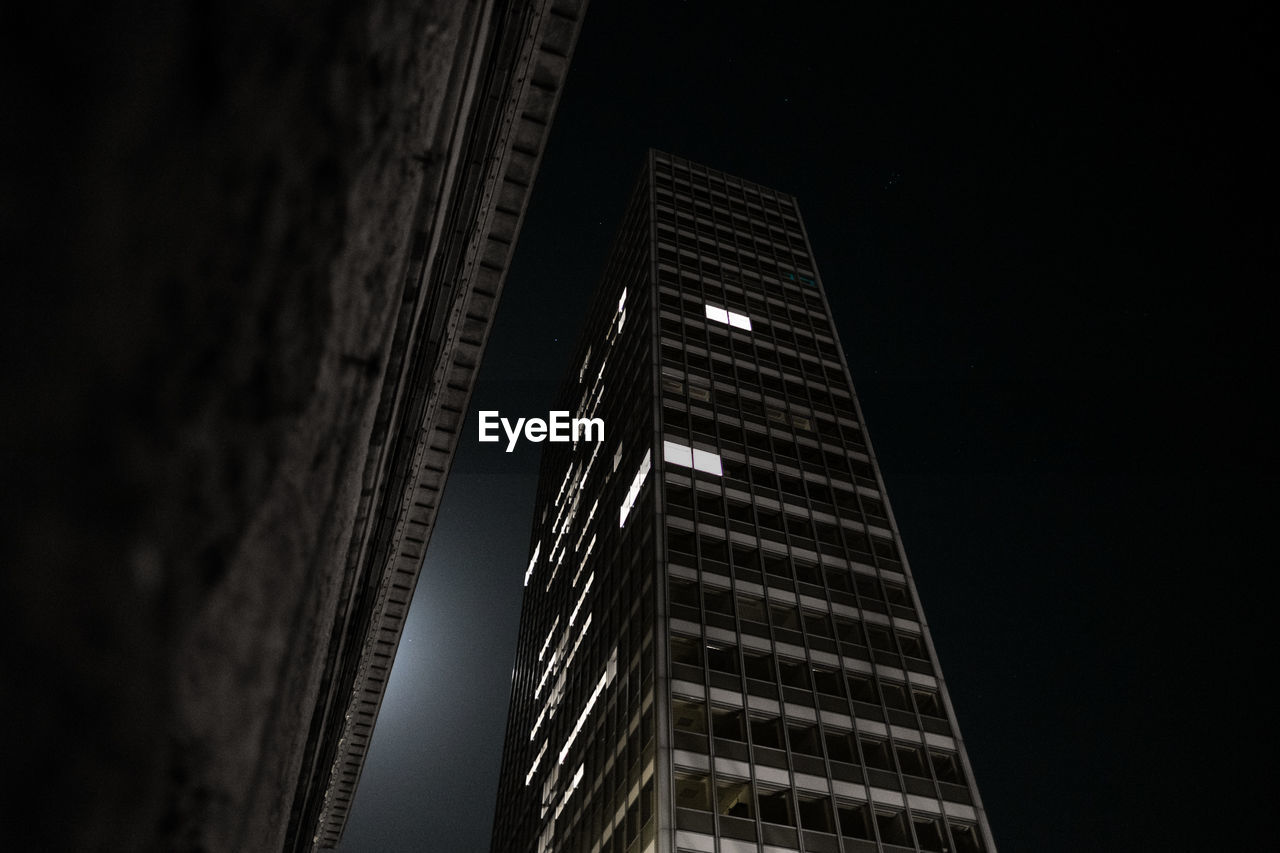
column 205, row 227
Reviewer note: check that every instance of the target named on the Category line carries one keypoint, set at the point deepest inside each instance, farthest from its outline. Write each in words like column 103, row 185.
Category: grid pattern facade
column 720, row 646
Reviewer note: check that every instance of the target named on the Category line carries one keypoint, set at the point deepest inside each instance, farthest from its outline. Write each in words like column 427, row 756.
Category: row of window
column 685, row 407
column 756, row 615
column 739, row 803
column 681, row 225
column 755, row 351
column 800, row 738
column 729, row 247
column 808, row 320
column 765, row 672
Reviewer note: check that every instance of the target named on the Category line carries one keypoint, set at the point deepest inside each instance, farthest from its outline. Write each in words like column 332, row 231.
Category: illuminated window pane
column 677, row 454
column 708, row 462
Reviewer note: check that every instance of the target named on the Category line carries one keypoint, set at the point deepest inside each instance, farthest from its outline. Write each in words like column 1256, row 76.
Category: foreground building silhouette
column 720, row 645
column 260, row 250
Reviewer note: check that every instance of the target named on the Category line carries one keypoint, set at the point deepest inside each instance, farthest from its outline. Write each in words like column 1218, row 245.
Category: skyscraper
column 720, row 645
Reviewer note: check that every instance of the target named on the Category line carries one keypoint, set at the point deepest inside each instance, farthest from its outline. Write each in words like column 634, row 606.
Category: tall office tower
column 720, row 645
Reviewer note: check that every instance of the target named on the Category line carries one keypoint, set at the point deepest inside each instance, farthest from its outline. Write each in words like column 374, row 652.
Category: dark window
column 946, row 767
column 895, row 695
column 722, row 658
column 728, row 724
column 855, row 821
column 928, row 703
column 686, row 650
column 827, row 681
column 862, row 688
column 688, row 716
column 758, row 665
column 839, row 748
column 876, row 754
column 911, row 760
column 751, row 608
column 966, row 838
column 794, row 674
column 775, row 807
column 804, row 739
column 928, row 833
column 766, row 731
column 893, row 828
column 815, row 813
column 818, row 624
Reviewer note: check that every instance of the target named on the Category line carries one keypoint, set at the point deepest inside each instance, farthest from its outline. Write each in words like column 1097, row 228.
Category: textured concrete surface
column 205, row 226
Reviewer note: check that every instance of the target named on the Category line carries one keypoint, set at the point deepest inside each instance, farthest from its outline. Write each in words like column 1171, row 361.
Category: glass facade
column 720, row 645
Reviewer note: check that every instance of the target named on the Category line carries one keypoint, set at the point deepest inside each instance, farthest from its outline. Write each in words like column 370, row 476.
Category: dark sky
column 1049, row 240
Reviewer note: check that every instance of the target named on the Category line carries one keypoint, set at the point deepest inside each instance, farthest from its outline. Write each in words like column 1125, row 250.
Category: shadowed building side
column 260, row 250
column 455, row 279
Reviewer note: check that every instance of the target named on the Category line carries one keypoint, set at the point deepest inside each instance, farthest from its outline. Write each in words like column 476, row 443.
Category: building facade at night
column 720, row 646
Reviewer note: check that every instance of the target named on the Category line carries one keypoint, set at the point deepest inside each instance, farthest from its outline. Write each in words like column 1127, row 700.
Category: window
column 684, row 593
column 815, row 813
column 684, row 456
column 693, row 791
column 794, row 674
column 893, row 828
column 766, row 731
column 928, row 832
column 750, row 607
column 688, row 716
column 734, row 798
column 776, row 807
column 827, row 681
column 911, row 760
column 731, row 318
column 855, row 821
column 965, row 838
column 881, row 639
column 946, row 767
column 785, row 616
column 685, row 650
column 927, row 702
column 862, row 688
column 839, row 748
column 758, row 665
column 895, row 696
column 722, row 658
column 875, row 753
column 729, row 724
column 804, row 739
column 913, row 646
column 818, row 624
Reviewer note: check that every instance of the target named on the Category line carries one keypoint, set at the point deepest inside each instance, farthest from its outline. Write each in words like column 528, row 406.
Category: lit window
column 690, row 457
column 573, row 617
column 731, row 318
column 634, row 491
column 533, row 561
column 536, row 761
column 677, row 454
column 547, row 642
column 708, row 462
column 609, row 672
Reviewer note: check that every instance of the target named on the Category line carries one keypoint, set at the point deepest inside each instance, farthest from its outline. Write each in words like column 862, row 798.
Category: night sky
column 1049, row 240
